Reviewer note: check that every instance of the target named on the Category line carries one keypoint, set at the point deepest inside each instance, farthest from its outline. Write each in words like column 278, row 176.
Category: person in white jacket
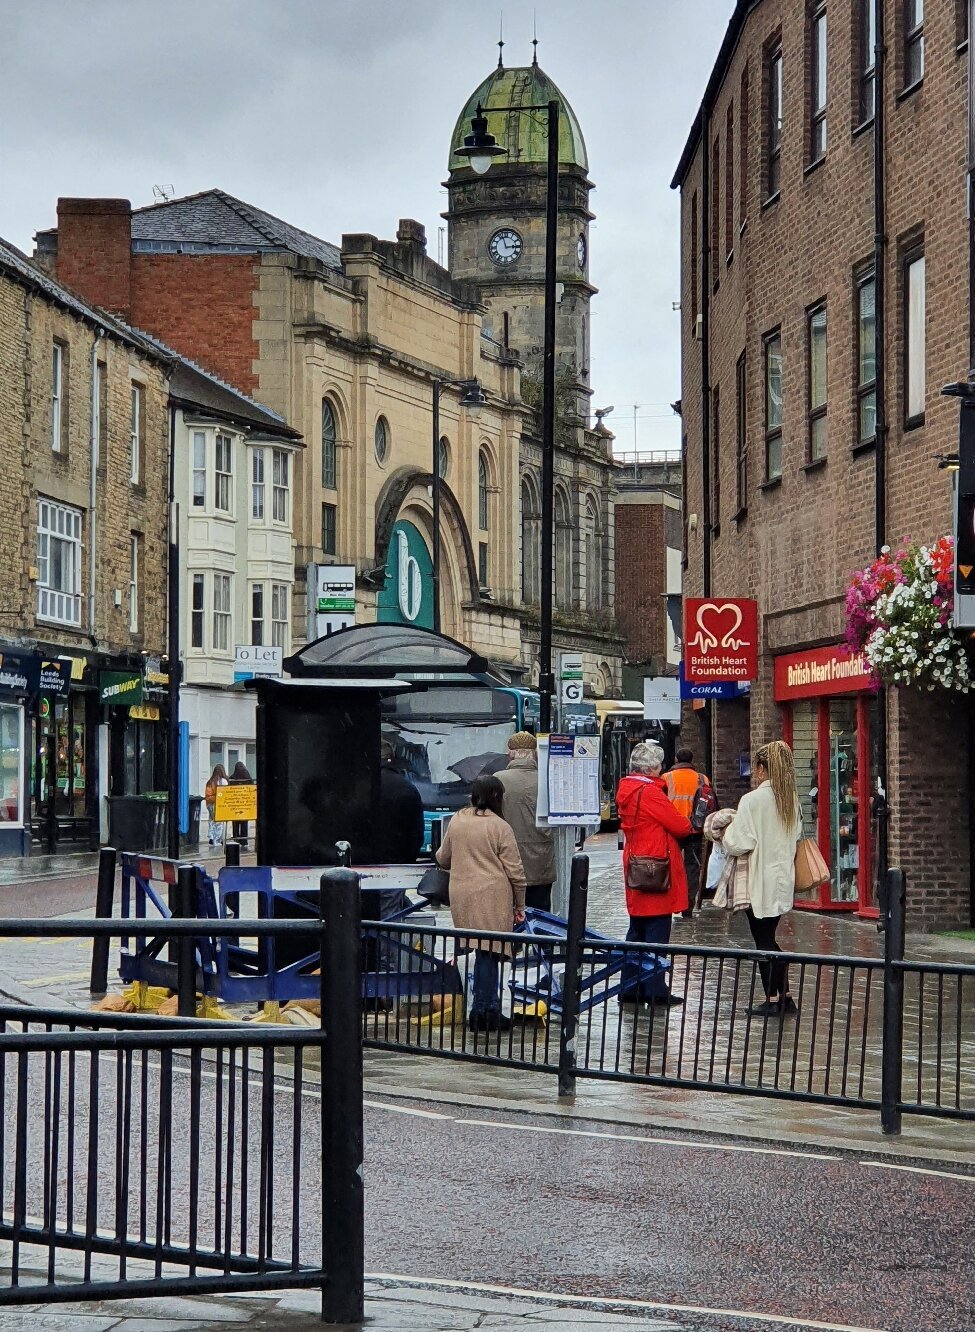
column 767, row 828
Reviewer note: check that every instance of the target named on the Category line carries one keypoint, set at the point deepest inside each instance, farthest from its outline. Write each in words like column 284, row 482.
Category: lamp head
column 479, row 147
column 473, row 397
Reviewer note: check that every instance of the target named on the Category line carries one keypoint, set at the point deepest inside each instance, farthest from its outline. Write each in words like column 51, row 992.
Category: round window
column 382, row 439
column 443, row 457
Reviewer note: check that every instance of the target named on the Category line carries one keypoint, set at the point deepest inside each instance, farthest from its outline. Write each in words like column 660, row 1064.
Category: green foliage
column 567, row 419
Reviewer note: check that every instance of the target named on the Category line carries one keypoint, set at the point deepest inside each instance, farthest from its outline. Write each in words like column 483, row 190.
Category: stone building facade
column 83, row 509
column 347, row 343
column 824, row 304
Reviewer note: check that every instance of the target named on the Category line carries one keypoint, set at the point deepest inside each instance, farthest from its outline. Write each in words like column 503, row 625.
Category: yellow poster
column 237, row 803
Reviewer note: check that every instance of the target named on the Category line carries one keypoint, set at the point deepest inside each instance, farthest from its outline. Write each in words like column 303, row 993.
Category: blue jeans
column 487, row 994
column 649, row 930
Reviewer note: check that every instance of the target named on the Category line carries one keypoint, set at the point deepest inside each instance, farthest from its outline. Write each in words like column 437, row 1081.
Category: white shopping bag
column 464, row 963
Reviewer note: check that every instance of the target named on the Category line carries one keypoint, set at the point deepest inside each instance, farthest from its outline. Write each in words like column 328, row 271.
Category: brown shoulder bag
column 647, row 874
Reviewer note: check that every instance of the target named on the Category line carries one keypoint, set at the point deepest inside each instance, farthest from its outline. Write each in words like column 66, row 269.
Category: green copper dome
column 524, row 136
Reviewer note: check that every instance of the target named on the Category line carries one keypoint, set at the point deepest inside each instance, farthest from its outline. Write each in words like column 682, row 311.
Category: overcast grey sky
column 336, row 115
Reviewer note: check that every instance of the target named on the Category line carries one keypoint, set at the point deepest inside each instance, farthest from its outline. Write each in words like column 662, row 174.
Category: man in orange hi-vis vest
column 690, row 791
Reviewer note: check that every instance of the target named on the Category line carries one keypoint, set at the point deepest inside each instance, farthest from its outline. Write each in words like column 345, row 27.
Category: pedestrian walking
column 653, row 866
column 487, row 891
column 217, row 779
column 240, row 777
column 536, row 846
column 691, row 793
column 766, row 830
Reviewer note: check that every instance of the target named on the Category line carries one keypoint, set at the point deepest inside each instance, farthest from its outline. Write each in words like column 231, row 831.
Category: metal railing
column 148, row 1156
column 869, row 1033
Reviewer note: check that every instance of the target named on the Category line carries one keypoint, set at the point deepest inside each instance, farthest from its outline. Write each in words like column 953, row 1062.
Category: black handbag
column 434, row 886
column 647, row 874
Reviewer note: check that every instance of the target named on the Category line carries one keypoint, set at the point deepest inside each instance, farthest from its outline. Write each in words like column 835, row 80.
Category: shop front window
column 61, row 758
column 845, row 795
column 11, row 764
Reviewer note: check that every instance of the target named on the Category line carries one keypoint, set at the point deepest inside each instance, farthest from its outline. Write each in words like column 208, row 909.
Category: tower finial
column 501, row 40
column 534, row 39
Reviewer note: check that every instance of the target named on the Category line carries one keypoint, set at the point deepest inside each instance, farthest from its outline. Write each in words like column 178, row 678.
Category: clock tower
column 496, row 223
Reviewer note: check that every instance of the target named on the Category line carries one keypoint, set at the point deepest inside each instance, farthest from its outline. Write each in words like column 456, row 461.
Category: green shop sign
column 119, row 689
column 407, row 596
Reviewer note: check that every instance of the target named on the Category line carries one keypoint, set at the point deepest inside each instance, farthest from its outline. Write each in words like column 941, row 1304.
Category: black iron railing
column 144, row 1156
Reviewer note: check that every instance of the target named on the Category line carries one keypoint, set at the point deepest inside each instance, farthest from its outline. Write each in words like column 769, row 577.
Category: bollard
column 575, row 929
column 894, row 910
column 186, row 944
column 104, row 907
column 343, row 1239
column 231, row 855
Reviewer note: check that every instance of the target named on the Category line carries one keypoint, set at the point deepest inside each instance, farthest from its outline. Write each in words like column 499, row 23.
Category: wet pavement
column 671, row 1229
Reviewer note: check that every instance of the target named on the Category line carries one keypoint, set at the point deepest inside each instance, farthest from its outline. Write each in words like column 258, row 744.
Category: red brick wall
column 797, row 542
column 203, row 306
column 93, row 250
column 641, row 583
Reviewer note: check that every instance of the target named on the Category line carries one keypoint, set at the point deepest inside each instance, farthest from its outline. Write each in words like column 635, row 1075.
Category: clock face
column 581, row 251
column 505, row 246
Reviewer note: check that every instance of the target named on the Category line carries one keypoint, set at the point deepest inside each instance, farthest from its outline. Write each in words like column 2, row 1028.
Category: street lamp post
column 480, row 148
column 472, row 398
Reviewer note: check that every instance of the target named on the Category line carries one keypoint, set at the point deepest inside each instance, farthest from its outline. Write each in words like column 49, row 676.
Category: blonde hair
column 776, row 758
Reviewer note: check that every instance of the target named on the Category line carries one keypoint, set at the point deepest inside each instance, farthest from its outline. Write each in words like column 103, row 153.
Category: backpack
column 705, row 803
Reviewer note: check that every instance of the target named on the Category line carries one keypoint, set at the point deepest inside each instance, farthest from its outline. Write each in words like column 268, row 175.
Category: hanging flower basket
column 899, row 615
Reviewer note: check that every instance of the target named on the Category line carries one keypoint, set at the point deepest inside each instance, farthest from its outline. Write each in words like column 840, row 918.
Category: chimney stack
column 94, row 255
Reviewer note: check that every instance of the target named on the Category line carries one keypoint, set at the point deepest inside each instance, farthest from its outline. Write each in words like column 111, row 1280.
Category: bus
column 447, row 734
column 621, row 726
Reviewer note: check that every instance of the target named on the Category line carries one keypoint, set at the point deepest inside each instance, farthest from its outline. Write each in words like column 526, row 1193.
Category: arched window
column 482, row 491
column 443, row 457
column 382, row 439
column 563, row 550
column 594, row 555
column 328, row 445
column 531, row 536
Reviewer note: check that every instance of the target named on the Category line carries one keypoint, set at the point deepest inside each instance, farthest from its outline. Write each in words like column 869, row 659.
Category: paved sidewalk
column 390, row 1307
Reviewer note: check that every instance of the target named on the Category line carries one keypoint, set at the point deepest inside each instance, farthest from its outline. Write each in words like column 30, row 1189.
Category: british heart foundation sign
column 720, row 639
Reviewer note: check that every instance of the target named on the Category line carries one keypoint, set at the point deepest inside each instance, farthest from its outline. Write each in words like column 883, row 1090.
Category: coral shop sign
column 820, row 671
column 720, row 639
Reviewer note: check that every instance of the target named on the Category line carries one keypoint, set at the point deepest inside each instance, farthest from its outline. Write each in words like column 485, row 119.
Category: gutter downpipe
column 173, row 646
column 93, row 483
column 880, row 453
column 706, row 397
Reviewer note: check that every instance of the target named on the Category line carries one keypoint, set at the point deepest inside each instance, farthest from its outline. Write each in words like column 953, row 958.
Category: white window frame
column 280, row 484
column 135, row 433
column 198, row 613
column 915, row 370
column 280, row 601
column 62, row 524
column 257, row 620
column 258, row 485
column 57, row 396
column 223, row 615
column 223, row 477
column 133, row 582
column 199, row 451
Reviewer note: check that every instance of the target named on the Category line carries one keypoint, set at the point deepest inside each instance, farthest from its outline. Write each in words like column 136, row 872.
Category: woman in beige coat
column 487, row 890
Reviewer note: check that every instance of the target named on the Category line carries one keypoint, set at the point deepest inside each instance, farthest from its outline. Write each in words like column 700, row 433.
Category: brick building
column 648, row 546
column 824, row 304
column 84, row 461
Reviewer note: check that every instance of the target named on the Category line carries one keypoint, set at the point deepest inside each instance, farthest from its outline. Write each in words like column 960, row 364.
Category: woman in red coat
column 651, row 826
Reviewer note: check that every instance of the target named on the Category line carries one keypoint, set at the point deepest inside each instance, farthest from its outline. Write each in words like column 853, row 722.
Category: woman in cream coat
column 487, row 890
column 767, row 828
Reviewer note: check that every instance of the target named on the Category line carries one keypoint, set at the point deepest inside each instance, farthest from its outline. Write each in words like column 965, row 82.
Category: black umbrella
column 477, row 765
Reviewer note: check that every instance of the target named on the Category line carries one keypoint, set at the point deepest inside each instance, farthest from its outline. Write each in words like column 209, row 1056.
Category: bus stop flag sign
column 720, row 639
